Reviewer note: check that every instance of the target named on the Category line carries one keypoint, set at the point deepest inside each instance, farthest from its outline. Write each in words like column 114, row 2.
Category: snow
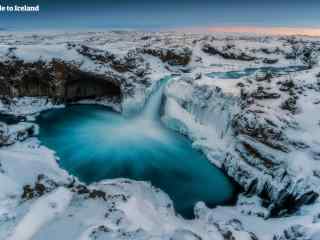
column 41, row 213
column 202, row 109
column 28, row 105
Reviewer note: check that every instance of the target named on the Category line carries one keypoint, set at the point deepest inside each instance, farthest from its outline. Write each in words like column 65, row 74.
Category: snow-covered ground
column 262, row 130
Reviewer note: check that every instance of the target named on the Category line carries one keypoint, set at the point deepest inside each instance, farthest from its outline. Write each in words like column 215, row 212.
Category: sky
column 165, row 14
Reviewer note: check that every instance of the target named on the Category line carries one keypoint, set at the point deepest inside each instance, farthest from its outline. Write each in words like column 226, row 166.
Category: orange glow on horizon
column 259, row 30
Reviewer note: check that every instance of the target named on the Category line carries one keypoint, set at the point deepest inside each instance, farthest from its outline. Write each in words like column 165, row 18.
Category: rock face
column 227, row 52
column 264, row 146
column 56, row 79
column 173, row 56
column 257, row 143
column 253, row 125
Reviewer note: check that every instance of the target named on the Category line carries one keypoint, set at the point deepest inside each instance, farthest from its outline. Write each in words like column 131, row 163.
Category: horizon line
column 259, row 30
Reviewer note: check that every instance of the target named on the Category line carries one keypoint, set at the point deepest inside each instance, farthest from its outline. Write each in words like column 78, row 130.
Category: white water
column 151, row 110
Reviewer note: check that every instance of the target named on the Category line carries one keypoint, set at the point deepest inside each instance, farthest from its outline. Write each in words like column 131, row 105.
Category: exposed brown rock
column 56, row 79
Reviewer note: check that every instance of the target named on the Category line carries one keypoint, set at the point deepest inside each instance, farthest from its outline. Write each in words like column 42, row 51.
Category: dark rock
column 270, row 61
column 287, row 85
column 1, row 168
column 235, row 224
column 316, row 218
column 97, row 194
column 253, row 236
column 295, row 232
column 299, row 145
column 289, row 202
column 82, row 189
column 4, row 134
column 96, row 55
column 260, row 94
column 57, row 80
column 290, row 104
column 309, row 56
column 227, row 53
column 226, row 233
column 28, row 192
column 11, row 119
column 271, row 51
column 316, row 155
column 263, row 130
column 198, row 76
column 172, row 56
column 240, row 84
column 42, row 186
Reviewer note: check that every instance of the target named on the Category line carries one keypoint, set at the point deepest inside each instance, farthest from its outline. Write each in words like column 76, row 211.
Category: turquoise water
column 95, row 143
column 250, row 71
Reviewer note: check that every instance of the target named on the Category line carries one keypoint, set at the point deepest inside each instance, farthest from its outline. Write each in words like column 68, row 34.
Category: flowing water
column 95, row 143
column 250, row 71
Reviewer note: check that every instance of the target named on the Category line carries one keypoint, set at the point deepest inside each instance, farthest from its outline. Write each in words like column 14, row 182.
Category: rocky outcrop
column 265, row 130
column 9, row 134
column 281, row 192
column 270, row 60
column 131, row 62
column 295, row 232
column 258, row 147
column 228, row 52
column 58, row 80
column 172, row 56
column 261, row 93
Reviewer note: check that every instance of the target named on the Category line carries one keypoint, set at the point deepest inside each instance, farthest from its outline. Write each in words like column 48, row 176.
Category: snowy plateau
column 262, row 129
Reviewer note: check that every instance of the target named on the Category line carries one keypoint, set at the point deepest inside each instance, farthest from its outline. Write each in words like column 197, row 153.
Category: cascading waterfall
column 95, row 143
column 151, row 109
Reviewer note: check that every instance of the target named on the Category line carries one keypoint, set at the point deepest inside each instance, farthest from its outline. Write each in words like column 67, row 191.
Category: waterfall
column 151, row 110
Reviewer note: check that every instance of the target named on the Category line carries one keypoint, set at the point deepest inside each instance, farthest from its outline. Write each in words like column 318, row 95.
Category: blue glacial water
column 96, row 143
column 250, row 71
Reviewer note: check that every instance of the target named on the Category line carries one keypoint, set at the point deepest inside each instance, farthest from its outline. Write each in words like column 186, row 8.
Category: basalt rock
column 264, row 130
column 281, row 193
column 56, row 79
column 261, row 93
column 228, row 52
column 132, row 61
column 172, row 56
column 257, row 159
column 270, row 60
